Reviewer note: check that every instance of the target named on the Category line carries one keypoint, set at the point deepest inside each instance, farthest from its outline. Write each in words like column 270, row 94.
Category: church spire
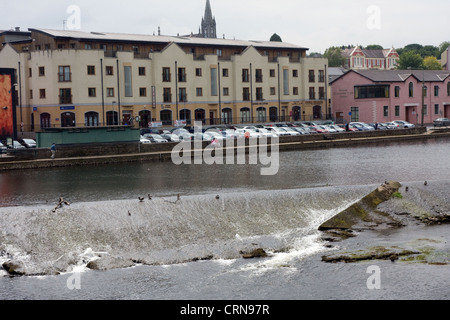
column 208, row 27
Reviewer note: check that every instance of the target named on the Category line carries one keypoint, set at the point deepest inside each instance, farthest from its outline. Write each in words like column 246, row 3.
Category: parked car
column 361, row 126
column 336, row 127
column 16, row 145
column 441, row 122
column 144, row 140
column 171, row 137
column 267, row 133
column 404, row 124
column 392, row 125
column 155, row 138
column 3, row 148
column 29, row 143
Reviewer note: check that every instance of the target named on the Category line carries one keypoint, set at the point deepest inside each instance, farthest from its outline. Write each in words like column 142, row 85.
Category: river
column 189, row 247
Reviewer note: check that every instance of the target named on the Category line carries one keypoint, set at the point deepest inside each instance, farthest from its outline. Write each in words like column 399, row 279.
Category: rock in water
column 363, row 214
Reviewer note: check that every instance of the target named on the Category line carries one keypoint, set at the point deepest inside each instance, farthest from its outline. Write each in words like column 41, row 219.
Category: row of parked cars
column 17, row 144
column 221, row 132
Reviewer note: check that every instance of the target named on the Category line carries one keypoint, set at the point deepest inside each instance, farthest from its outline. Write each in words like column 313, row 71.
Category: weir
column 164, row 230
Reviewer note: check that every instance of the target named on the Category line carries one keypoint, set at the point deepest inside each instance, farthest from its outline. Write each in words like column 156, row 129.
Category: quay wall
column 96, row 154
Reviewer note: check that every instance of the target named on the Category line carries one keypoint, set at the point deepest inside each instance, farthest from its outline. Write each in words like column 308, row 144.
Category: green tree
column 443, row 46
column 374, row 47
column 334, row 56
column 275, row 38
column 431, row 63
column 410, row 59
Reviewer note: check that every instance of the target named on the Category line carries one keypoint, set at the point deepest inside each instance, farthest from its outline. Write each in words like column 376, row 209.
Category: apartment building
column 417, row 96
column 69, row 78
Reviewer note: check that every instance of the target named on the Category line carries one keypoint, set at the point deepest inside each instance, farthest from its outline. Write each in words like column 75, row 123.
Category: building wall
column 373, row 109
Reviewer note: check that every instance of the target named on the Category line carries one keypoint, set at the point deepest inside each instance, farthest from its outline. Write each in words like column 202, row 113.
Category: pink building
column 388, row 95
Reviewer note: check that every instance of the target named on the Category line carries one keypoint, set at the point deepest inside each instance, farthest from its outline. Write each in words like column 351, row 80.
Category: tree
column 374, row 47
column 410, row 59
column 443, row 46
column 431, row 63
column 334, row 56
column 275, row 38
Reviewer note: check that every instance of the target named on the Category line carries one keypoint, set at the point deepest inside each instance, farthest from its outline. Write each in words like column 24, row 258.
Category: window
column 245, row 75
column 142, row 71
column 142, row 92
column 30, row 72
column 245, row 114
column 261, row 114
column 91, row 92
column 213, row 81
column 199, row 92
column 397, row 91
column 295, row 73
column 31, row 94
column 110, row 92
column 258, row 75
column 436, row 91
column 65, row 96
column 91, row 70
column 64, row 74
column 448, row 88
column 397, row 111
column 354, row 114
column 311, row 76
column 182, row 94
column 321, row 93
column 181, row 74
column 272, row 73
column 312, row 94
column 386, row 111
column 128, row 84
column 219, row 52
column 295, row 91
column 321, row 76
column 198, row 72
column 411, row 90
column 436, row 108
column 167, row 95
column 166, row 75
column 226, row 92
column 41, row 93
column 246, row 94
column 224, row 72
column 109, row 70
column 41, row 71
column 91, row 119
column 365, row 92
column 273, row 91
column 259, row 94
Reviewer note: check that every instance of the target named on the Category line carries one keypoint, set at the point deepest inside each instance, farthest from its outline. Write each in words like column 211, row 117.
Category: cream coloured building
column 77, row 79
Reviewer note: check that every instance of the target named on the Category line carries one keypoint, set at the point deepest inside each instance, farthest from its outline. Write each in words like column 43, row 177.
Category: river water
column 190, row 247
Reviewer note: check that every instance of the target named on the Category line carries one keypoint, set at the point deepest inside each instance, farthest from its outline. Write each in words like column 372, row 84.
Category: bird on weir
column 141, row 199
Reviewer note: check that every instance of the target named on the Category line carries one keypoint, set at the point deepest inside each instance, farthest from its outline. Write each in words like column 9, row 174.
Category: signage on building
column 67, row 108
column 156, row 124
column 180, row 123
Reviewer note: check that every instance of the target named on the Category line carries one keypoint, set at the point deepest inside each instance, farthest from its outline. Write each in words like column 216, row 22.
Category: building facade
column 364, row 59
column 76, row 79
column 383, row 96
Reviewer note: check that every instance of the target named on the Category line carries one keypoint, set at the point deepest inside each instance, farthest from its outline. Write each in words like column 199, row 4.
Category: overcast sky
column 314, row 24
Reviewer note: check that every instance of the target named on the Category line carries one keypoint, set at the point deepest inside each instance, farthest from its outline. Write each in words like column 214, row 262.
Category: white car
column 404, row 124
column 29, row 143
column 336, row 127
column 144, row 140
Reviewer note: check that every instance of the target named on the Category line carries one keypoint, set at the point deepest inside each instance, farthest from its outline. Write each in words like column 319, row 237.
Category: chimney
column 17, row 29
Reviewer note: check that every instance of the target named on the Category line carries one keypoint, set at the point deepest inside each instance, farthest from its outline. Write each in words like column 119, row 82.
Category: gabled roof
column 375, row 54
column 181, row 40
column 400, row 75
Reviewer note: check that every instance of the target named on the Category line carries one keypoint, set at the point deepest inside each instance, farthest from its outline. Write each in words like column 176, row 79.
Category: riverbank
column 81, row 155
